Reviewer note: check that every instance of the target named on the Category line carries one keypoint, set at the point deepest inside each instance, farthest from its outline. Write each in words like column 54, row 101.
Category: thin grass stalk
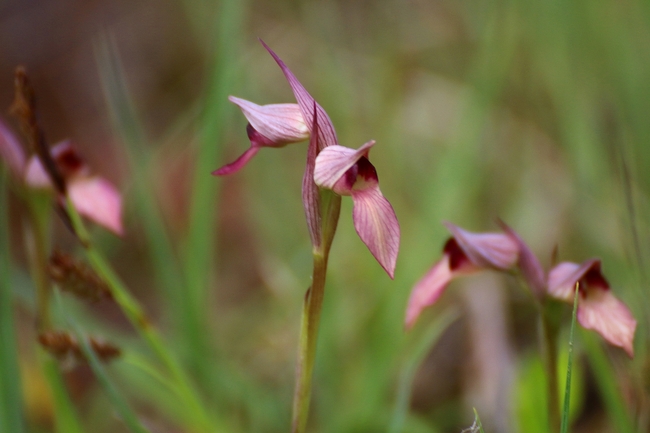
column 411, row 365
column 567, row 390
column 134, row 312
column 11, row 408
column 117, row 400
column 199, row 247
column 127, row 125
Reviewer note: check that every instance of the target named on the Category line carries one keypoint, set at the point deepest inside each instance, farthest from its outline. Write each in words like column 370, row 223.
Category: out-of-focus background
column 532, row 112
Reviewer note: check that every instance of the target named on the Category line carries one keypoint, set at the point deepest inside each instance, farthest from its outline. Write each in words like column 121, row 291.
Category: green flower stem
column 134, row 312
column 308, row 337
column 330, row 209
column 549, row 333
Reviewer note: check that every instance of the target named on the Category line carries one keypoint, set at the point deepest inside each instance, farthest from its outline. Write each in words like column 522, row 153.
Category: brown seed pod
column 64, row 347
column 76, row 277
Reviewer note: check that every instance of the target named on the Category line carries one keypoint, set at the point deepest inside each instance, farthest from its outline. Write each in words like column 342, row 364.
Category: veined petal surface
column 334, row 161
column 377, row 226
column 280, row 124
column 326, row 133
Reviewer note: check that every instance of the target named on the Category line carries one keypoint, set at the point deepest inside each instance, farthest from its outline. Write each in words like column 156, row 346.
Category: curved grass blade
column 411, row 365
column 567, row 390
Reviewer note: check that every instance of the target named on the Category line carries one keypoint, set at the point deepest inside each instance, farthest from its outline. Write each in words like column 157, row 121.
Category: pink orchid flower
column 349, row 172
column 463, row 254
column 330, row 166
column 92, row 196
column 598, row 308
column 274, row 125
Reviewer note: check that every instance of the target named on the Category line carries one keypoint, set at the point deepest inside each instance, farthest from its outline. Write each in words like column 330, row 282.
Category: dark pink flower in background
column 464, row 253
column 598, row 308
column 93, row 196
column 274, row 125
column 349, row 172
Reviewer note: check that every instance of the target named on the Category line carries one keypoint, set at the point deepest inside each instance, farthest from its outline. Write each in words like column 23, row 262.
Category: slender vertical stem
column 308, row 339
column 549, row 332
column 330, row 209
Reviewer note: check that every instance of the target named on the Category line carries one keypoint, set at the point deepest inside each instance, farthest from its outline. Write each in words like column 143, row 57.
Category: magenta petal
column 494, row 250
column 377, row 226
column 11, row 151
column 280, row 124
column 97, row 200
column 326, row 132
column 238, row 164
column 332, row 163
column 563, row 278
column 601, row 311
column 427, row 291
column 531, row 268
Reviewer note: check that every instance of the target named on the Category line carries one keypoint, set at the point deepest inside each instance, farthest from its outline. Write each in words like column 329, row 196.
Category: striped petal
column 279, row 124
column 333, row 162
column 377, row 225
column 326, row 132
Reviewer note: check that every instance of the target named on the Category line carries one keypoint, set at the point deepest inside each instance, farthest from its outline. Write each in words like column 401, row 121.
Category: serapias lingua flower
column 464, row 253
column 598, row 308
column 273, row 125
column 93, row 196
column 348, row 172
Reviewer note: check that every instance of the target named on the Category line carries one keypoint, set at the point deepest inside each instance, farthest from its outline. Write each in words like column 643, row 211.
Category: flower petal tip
column 238, row 164
column 428, row 290
column 99, row 201
column 377, row 226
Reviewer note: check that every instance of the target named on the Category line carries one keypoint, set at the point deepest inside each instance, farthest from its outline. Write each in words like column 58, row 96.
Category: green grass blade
column 65, row 414
column 567, row 390
column 477, row 419
column 128, row 127
column 11, row 410
column 199, row 248
column 411, row 365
